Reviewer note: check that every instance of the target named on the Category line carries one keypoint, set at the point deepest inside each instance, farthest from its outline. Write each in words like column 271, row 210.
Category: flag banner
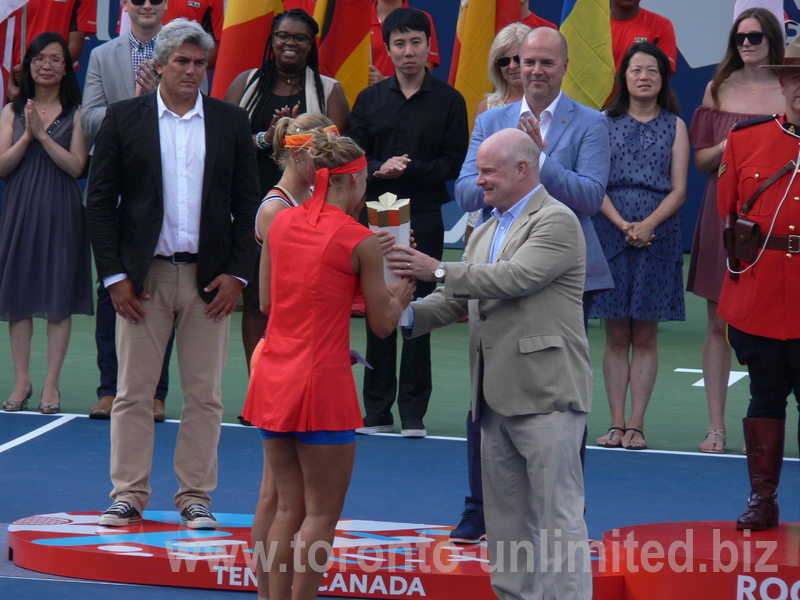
column 9, row 6
column 586, row 25
column 344, row 43
column 244, row 35
column 478, row 23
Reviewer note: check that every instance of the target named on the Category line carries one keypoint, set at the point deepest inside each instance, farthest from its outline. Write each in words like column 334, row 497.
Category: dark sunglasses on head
column 755, row 38
column 141, row 2
column 504, row 61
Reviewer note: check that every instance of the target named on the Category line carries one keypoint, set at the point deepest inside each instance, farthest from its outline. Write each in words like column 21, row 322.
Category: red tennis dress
column 303, row 380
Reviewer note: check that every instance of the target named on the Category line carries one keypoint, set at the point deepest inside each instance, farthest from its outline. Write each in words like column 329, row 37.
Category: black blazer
column 125, row 197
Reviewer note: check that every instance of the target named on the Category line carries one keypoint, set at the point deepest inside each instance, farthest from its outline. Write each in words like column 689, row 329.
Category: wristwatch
column 439, row 272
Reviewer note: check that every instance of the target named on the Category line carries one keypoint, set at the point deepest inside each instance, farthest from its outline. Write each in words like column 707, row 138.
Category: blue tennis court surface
column 60, row 463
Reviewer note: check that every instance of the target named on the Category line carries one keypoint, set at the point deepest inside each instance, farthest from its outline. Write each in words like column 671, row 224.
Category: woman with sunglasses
column 639, row 227
column 739, row 90
column 44, row 240
column 504, row 71
column 506, row 78
column 288, row 83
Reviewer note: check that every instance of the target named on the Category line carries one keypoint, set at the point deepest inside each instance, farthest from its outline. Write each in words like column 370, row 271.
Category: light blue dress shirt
column 505, row 220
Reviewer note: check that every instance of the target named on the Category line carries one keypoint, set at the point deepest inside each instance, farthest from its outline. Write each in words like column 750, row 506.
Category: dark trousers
column 774, row 368
column 104, row 337
column 413, row 388
column 474, row 475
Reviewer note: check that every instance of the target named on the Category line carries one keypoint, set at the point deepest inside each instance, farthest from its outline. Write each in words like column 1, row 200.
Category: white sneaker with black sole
column 119, row 514
column 197, row 516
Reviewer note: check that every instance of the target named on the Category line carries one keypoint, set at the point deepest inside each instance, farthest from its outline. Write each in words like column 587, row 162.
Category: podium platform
column 370, row 559
column 703, row 560
column 373, row 559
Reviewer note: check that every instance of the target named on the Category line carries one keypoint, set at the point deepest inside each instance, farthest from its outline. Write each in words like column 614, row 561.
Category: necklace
column 287, row 77
column 44, row 109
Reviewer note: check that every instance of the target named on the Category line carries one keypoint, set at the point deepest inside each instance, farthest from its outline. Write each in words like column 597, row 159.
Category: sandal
column 17, row 405
column 641, row 433
column 717, row 441
column 48, row 408
column 610, row 443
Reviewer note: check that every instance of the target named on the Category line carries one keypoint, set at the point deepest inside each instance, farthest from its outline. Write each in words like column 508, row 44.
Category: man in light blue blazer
column 573, row 166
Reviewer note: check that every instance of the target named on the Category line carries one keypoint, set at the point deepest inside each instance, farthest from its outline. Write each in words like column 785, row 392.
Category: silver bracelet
column 261, row 141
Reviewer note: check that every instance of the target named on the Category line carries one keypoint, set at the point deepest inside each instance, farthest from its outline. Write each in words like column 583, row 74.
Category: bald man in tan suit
column 522, row 285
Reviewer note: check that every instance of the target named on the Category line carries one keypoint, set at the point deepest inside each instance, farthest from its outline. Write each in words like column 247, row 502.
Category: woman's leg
column 287, row 472
column 716, row 371
column 58, row 333
column 326, row 475
column 254, row 322
column 262, row 521
column 616, row 373
column 644, row 368
column 20, row 334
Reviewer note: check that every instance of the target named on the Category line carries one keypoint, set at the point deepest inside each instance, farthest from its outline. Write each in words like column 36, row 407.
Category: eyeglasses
column 504, row 61
column 54, row 61
column 755, row 38
column 141, row 2
column 299, row 38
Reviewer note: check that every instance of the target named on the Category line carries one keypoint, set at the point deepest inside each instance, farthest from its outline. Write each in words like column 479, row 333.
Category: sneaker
column 120, row 514
column 471, row 530
column 413, row 427
column 197, row 516
column 376, row 424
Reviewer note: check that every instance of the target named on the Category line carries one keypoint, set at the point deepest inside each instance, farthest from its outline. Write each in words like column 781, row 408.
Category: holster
column 747, row 235
column 729, row 239
column 741, row 236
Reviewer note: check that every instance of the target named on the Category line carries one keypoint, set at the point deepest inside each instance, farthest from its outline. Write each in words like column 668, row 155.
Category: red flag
column 344, row 44
column 244, row 35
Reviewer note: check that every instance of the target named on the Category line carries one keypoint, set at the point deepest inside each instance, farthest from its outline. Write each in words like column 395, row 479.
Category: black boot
column 764, row 439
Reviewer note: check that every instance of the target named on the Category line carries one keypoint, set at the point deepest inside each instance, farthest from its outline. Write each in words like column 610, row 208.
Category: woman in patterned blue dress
column 639, row 227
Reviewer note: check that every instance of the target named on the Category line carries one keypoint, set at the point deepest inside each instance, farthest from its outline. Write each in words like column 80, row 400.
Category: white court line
column 37, row 432
column 733, row 376
column 68, row 417
column 72, row 580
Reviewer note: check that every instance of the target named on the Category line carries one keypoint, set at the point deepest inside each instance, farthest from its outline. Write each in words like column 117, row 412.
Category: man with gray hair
column 521, row 283
column 174, row 255
column 121, row 69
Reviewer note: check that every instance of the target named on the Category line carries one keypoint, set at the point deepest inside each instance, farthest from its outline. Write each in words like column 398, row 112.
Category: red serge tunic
column 303, row 380
column 764, row 300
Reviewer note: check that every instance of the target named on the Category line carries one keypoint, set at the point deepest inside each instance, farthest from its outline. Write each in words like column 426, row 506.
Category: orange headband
column 321, row 186
column 301, row 139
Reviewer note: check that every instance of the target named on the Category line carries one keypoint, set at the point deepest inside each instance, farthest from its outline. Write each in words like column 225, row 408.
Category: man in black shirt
column 415, row 132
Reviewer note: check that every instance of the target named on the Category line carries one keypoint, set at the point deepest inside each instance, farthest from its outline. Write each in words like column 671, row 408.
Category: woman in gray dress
column 44, row 242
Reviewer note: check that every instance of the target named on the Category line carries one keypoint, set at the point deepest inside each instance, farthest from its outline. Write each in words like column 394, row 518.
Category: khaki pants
column 533, row 505
column 202, row 345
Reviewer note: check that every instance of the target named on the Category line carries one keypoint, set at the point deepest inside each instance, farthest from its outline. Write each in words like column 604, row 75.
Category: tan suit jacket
column 528, row 347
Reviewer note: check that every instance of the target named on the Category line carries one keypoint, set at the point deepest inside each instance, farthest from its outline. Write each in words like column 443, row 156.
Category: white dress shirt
column 183, row 154
column 544, row 119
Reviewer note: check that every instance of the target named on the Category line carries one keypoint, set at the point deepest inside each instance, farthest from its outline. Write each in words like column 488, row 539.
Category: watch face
column 439, row 272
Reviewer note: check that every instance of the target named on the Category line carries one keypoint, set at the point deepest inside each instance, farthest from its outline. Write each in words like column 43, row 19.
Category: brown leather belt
column 784, row 243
